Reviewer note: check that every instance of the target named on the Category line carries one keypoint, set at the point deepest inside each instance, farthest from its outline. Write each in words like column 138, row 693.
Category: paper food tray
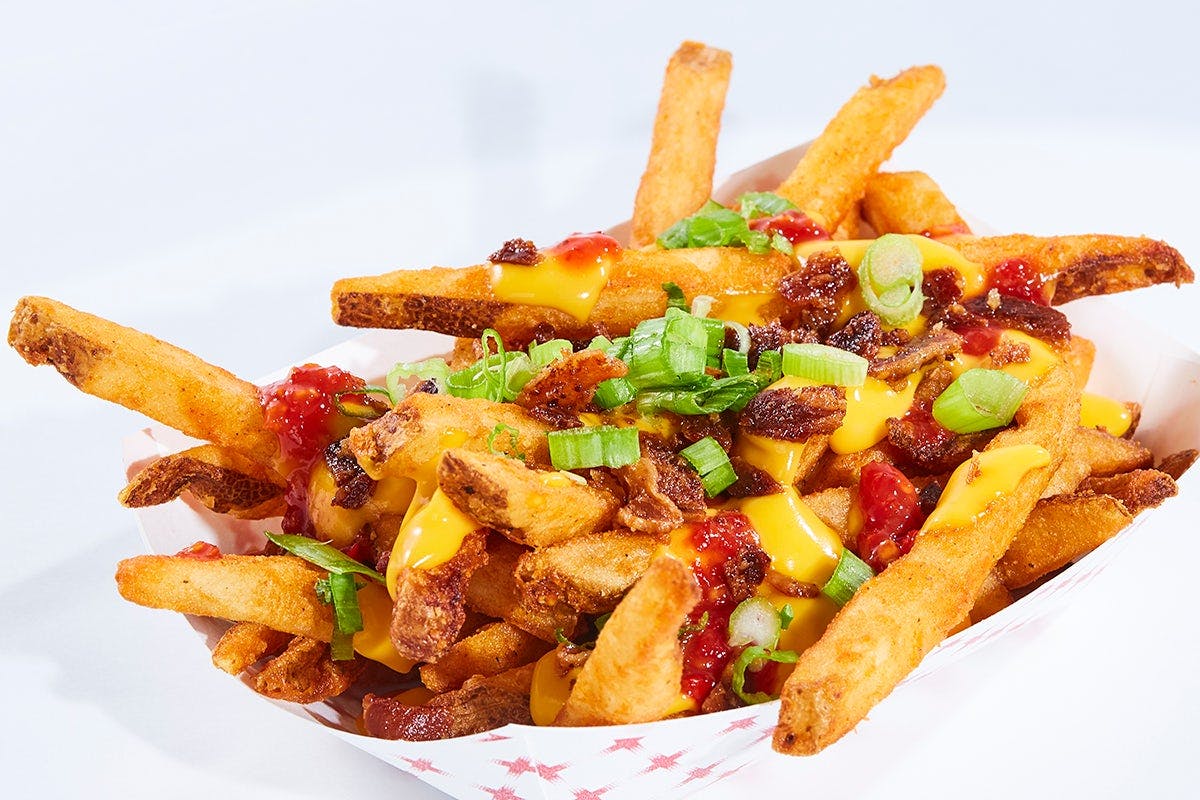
column 677, row 757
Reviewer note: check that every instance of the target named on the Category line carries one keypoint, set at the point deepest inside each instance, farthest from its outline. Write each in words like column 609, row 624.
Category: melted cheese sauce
column 982, row 479
column 744, row 308
column 373, row 640
column 1041, row 358
column 1096, row 411
column 571, row 287
column 800, row 545
column 868, row 407
column 431, row 534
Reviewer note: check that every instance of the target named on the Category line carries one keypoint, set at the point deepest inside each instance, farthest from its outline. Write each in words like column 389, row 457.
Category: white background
column 205, row 171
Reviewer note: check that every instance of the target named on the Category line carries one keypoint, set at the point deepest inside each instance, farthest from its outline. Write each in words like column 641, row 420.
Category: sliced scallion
column 723, row 394
column 754, row 622
column 744, row 661
column 735, row 363
column 890, row 276
column 347, row 616
column 541, row 355
column 434, row 368
column 324, row 555
column 613, row 392
column 979, row 400
column 600, row 446
column 850, row 573
column 667, row 351
column 742, row 333
column 824, row 364
column 675, row 296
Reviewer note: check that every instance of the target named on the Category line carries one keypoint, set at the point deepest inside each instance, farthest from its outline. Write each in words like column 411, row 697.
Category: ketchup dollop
column 793, row 225
column 580, row 249
column 200, row 551
column 1018, row 278
column 891, row 511
column 979, row 340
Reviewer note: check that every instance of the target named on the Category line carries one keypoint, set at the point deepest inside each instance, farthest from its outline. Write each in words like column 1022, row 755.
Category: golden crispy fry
column 833, row 507
column 305, row 673
column 590, row 573
column 840, row 469
column 683, row 150
column 460, row 302
column 482, row 704
column 245, row 644
column 1083, row 266
column 901, row 614
column 993, row 597
column 144, row 374
column 1079, row 356
column 532, row 507
column 494, row 648
column 834, row 171
column 276, row 591
column 1178, row 463
column 220, row 478
column 1137, row 490
column 409, row 440
column 1096, row 453
column 633, row 674
column 1058, row 531
column 494, row 591
column 910, row 202
column 430, row 606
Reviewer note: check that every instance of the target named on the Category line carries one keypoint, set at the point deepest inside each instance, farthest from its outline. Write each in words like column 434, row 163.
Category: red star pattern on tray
column 518, row 767
column 632, row 744
column 494, row 737
column 740, row 725
column 663, row 761
column 549, row 772
column 699, row 773
column 503, row 793
column 422, row 765
column 591, row 794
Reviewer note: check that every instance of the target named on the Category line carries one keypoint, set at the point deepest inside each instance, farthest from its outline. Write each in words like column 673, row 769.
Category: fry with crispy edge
column 430, row 606
column 494, row 648
column 896, row 618
column 221, row 479
column 245, row 644
column 832, row 174
column 494, row 591
column 910, row 202
column 145, row 374
column 305, row 673
column 683, row 149
column 633, row 674
column 590, row 573
column 1058, row 531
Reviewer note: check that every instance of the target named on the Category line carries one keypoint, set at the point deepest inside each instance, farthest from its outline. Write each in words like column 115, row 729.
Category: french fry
column 245, row 644
column 683, row 150
column 144, row 374
column 1058, row 531
column 833, row 173
column 1083, row 266
column 495, row 591
column 276, row 591
column 1136, row 490
column 1177, row 464
column 1096, row 453
column 531, row 507
column 430, row 606
column 1080, row 355
column 590, row 573
column 993, row 597
column 494, row 648
column 901, row 614
column 833, row 507
column 409, row 440
column 305, row 673
column 633, row 674
column 910, row 202
column 221, row 479
column 841, row 469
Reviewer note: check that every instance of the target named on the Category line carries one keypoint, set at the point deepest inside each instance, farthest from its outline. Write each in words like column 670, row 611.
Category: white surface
column 205, row 171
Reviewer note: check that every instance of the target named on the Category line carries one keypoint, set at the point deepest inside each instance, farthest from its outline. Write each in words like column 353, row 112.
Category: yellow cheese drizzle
column 373, row 640
column 570, row 287
column 429, row 536
column 800, row 545
column 868, row 407
column 1096, row 411
column 982, row 479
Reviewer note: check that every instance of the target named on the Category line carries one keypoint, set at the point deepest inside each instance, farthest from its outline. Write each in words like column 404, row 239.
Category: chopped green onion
column 742, row 333
column 540, row 355
column 850, row 573
column 613, row 392
column 723, row 394
column 667, row 351
column 715, row 330
column 782, row 244
column 714, row 225
column 735, row 363
column 675, row 296
column 718, row 480
column 498, row 377
column 602, row 620
column 514, row 442
column 600, row 446
column 601, row 343
column 890, row 278
column 763, row 204
column 786, row 615
column 824, row 364
column 743, row 662
column 324, row 555
column 347, row 616
column 619, row 348
column 435, row 368
column 702, row 304
column 978, row 400
column 360, row 410
column 770, row 366
column 705, row 455
column 754, row 622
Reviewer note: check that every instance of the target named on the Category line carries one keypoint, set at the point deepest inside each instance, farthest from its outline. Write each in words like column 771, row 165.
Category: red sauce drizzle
column 891, row 513
column 200, row 551
column 299, row 409
column 793, row 225
column 1018, row 278
column 979, row 340
column 706, row 651
column 581, row 249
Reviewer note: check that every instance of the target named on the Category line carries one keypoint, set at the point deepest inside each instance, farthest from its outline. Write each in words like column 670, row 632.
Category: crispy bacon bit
column 516, row 251
column 480, row 705
column 942, row 287
column 694, row 428
column 1008, row 352
column 751, row 481
column 569, row 657
column 427, row 386
column 773, row 336
column 920, row 441
column 815, row 290
column 745, row 570
column 675, row 479
column 786, row 584
column 862, row 335
column 792, row 415
column 647, row 509
column 566, row 387
column 916, row 354
column 354, row 485
column 1047, row 324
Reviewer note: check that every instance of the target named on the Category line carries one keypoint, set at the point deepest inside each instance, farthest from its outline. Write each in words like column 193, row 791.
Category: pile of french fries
column 566, row 596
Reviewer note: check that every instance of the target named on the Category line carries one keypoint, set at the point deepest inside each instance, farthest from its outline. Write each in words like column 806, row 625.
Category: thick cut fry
column 430, row 606
column 1086, row 265
column 482, row 704
column 305, row 673
column 1058, row 531
column 834, row 171
column 494, row 591
column 1137, row 490
column 900, row 615
column 408, row 441
column 1177, row 464
column 841, row 469
column 589, row 573
column 245, row 644
column 494, row 648
column 833, row 507
column 276, row 591
column 460, row 302
column 910, row 202
column 1080, row 355
column 144, row 374
column 532, row 507
column 993, row 597
column 221, row 479
column 1096, row 453
column 633, row 674
column 683, row 150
